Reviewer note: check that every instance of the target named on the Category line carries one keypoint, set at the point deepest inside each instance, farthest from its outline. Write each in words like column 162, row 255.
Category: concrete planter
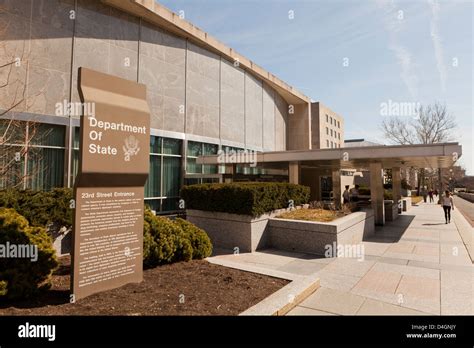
column 229, row 231
column 391, row 210
column 406, row 203
column 313, row 237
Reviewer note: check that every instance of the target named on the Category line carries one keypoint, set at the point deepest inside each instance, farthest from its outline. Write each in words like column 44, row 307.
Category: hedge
column 22, row 277
column 40, row 207
column 254, row 198
column 168, row 241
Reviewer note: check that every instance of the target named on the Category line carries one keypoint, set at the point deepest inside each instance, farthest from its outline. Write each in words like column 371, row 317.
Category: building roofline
column 153, row 12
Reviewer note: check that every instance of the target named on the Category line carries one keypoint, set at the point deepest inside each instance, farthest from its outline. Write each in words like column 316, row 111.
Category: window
column 327, row 130
column 42, row 154
column 239, row 168
column 339, row 136
column 338, row 124
column 164, row 179
column 331, row 132
column 327, row 143
column 195, row 150
column 331, row 121
column 327, row 118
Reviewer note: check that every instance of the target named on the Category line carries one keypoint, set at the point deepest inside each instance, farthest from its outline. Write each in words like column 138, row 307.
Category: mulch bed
column 185, row 288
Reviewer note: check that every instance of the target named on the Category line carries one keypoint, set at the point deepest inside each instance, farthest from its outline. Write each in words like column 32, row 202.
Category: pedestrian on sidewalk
column 448, row 203
column 355, row 194
column 424, row 194
column 346, row 195
column 430, row 193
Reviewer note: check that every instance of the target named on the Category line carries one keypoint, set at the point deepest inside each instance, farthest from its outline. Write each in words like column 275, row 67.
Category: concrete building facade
column 203, row 96
column 327, row 127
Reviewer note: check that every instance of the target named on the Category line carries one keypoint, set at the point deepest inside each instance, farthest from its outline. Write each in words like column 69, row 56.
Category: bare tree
column 433, row 124
column 14, row 69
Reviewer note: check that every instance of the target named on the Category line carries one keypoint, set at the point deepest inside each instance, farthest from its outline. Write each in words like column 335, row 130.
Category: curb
column 283, row 300
column 466, row 231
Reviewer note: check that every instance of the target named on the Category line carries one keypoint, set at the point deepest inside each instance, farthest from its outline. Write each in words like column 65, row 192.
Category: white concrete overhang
column 442, row 155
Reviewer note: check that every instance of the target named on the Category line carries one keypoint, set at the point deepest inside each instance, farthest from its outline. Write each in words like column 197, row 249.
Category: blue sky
column 403, row 51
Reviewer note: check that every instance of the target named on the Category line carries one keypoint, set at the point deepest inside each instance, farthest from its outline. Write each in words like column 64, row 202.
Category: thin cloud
column 393, row 25
column 437, row 42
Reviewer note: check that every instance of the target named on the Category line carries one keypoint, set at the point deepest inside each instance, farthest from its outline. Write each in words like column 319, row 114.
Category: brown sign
column 109, row 189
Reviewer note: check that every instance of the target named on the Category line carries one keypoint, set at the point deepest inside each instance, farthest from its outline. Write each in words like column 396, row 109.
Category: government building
column 203, row 97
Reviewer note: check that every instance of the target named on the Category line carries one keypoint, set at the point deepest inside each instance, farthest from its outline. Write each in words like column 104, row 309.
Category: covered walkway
column 302, row 166
column 416, row 264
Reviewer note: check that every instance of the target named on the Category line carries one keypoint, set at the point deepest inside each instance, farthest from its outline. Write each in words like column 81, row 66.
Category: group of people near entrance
column 350, row 196
column 446, row 201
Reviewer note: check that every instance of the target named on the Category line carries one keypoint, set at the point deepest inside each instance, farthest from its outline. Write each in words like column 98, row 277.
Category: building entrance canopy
column 442, row 155
column 373, row 158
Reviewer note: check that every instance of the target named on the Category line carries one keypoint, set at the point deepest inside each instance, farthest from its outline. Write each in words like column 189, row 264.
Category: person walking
column 430, row 194
column 355, row 193
column 346, row 195
column 448, row 204
column 424, row 194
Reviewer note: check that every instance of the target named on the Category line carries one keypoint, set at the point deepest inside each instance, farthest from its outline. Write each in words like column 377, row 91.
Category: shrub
column 255, row 198
column 39, row 207
column 164, row 241
column 23, row 277
column 167, row 241
column 199, row 239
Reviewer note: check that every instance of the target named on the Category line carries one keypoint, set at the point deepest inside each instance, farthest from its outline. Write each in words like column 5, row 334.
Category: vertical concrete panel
column 232, row 103
column 14, row 44
column 315, row 126
column 50, row 56
column 123, row 39
column 253, row 112
column 268, row 118
column 162, row 69
column 281, row 116
column 202, row 92
column 106, row 40
column 299, row 128
column 91, row 41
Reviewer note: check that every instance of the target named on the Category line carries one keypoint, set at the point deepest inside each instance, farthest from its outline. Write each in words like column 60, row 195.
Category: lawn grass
column 319, row 215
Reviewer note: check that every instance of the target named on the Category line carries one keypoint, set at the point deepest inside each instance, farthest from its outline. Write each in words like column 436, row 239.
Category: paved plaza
column 415, row 265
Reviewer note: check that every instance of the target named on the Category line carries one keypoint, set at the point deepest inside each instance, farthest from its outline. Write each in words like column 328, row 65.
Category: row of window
column 42, row 148
column 332, row 144
column 334, row 134
column 333, row 121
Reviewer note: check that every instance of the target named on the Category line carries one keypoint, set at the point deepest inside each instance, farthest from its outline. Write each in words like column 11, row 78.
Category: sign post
column 109, row 189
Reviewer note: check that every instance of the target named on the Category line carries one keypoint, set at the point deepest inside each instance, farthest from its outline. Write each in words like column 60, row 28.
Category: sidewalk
column 414, row 265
